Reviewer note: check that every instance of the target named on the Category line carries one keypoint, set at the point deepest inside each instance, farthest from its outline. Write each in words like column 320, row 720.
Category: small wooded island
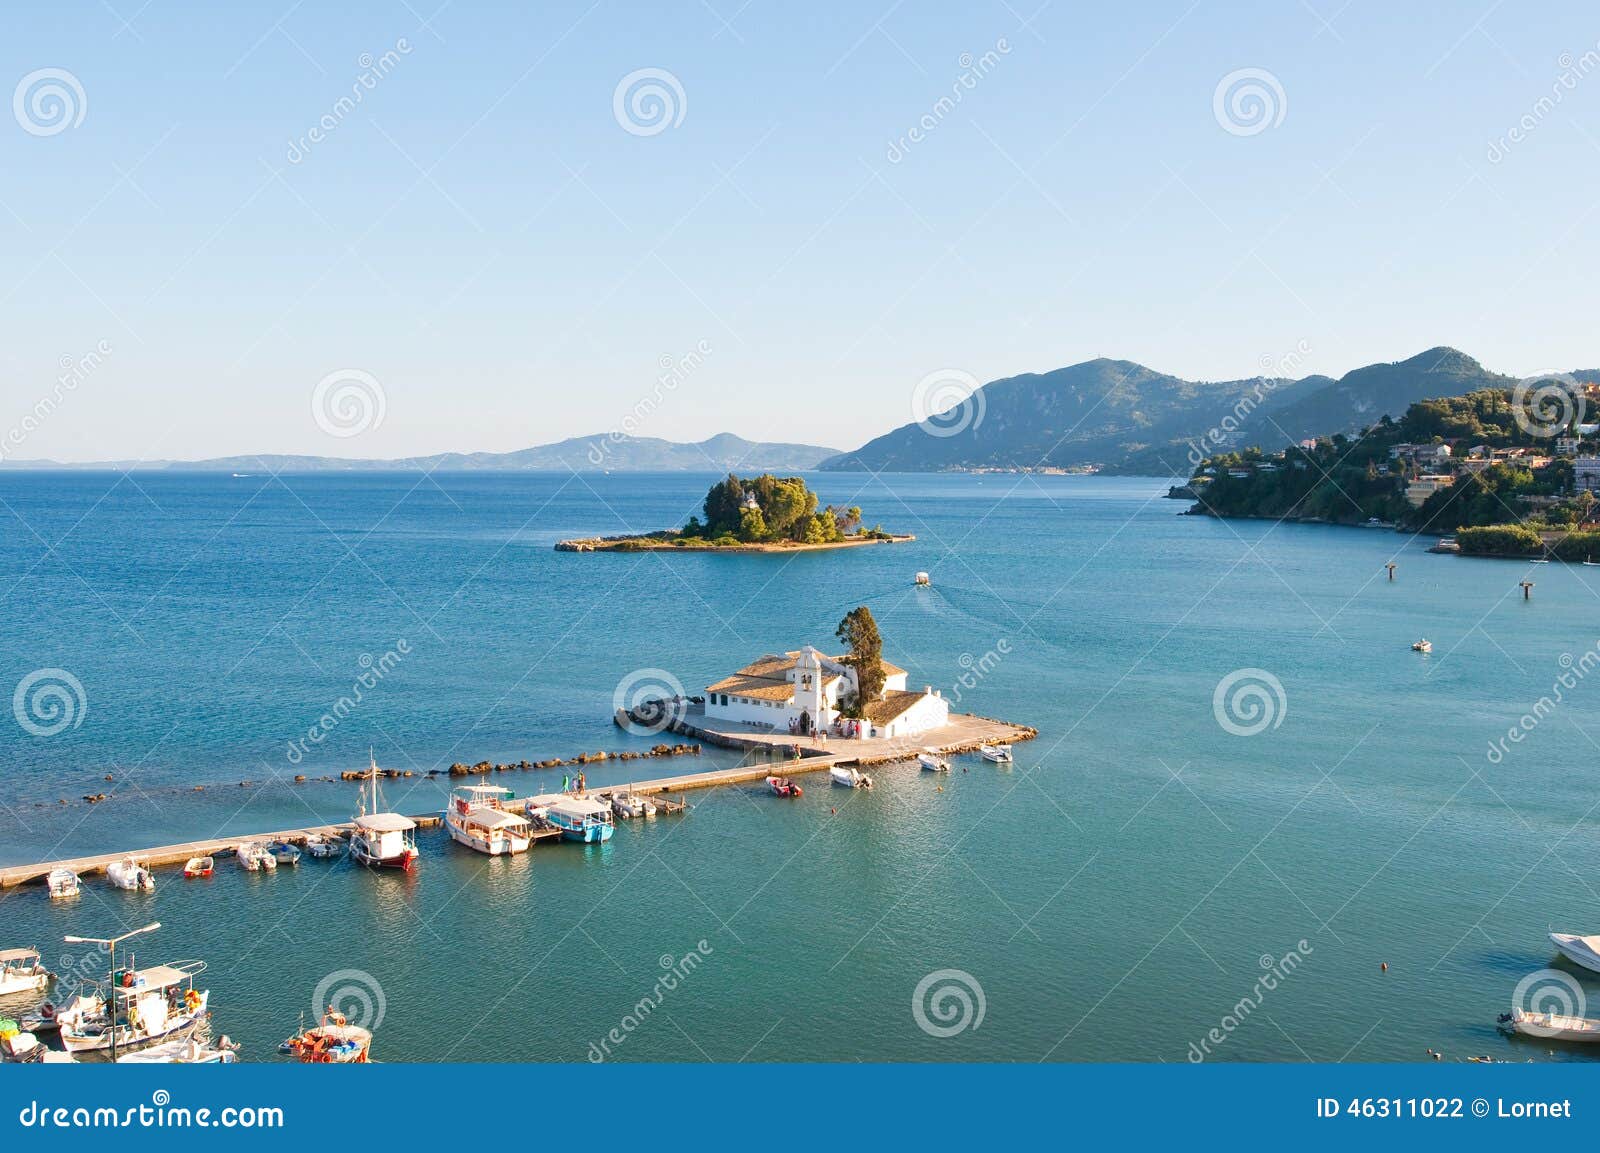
column 765, row 513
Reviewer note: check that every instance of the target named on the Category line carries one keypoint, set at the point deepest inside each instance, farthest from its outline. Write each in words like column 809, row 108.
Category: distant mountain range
column 1132, row 420
column 600, row 453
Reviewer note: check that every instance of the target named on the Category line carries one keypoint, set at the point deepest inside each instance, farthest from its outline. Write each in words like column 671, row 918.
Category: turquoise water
column 1113, row 894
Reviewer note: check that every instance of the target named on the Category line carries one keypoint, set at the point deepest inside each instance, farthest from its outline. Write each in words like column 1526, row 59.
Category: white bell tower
column 808, row 695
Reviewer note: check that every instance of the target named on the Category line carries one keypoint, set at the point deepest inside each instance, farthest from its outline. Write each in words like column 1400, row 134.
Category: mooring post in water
column 1390, row 567
column 1527, row 588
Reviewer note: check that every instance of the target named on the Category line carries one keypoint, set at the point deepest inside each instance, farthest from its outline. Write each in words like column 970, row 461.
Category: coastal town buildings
column 805, row 691
column 1586, row 474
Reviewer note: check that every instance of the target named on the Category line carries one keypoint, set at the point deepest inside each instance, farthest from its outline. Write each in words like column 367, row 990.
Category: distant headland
column 763, row 513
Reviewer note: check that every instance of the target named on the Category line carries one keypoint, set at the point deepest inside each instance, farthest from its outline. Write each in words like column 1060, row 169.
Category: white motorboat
column 922, row 580
column 322, row 848
column 1584, row 951
column 254, row 857
column 932, row 762
column 382, row 840
column 850, row 777
column 1000, row 754
column 285, row 853
column 1422, row 646
column 63, row 883
column 1552, row 1026
column 186, row 1051
column 631, row 805
column 476, row 817
column 141, row 1007
column 130, row 874
column 21, row 971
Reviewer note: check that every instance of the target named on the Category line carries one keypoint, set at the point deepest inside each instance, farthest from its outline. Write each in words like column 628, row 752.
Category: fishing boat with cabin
column 63, row 883
column 477, row 818
column 381, row 840
column 139, row 1007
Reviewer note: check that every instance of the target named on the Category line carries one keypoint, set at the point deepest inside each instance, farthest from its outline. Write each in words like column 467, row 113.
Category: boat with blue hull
column 581, row 819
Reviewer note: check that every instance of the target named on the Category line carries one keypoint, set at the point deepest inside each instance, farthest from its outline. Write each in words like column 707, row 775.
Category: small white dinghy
column 63, row 883
column 130, row 874
column 932, row 762
column 253, row 857
column 630, row 805
column 1552, row 1026
column 189, row 1051
column 850, row 777
column 1584, row 951
column 1000, row 754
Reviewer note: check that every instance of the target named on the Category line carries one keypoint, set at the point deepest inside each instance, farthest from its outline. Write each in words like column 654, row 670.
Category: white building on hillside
column 801, row 692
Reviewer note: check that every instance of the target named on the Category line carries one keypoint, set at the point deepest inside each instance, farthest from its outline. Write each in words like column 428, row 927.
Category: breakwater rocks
column 483, row 768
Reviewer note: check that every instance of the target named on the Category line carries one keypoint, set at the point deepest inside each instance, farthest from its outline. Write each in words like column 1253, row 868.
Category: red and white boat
column 198, row 867
column 784, row 787
column 382, row 840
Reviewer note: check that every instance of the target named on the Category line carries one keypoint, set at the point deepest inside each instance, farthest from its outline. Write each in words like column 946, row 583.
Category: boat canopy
column 579, row 807
column 8, row 955
column 485, row 790
column 385, row 823
column 160, row 977
column 545, row 800
column 496, row 819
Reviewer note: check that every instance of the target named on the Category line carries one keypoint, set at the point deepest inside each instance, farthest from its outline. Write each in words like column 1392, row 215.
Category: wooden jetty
column 963, row 734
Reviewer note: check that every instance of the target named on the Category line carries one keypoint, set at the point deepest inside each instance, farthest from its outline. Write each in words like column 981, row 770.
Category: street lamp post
column 111, row 944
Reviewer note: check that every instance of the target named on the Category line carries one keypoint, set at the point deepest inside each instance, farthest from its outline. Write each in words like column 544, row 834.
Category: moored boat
column 42, row 1019
column 321, row 847
column 21, row 971
column 254, row 857
column 382, row 840
column 198, row 867
column 285, row 853
column 1552, row 1026
column 191, row 1050
column 476, row 817
column 785, row 787
column 140, row 1007
column 62, row 883
column 932, row 762
column 333, row 1042
column 850, row 777
column 1000, row 754
column 130, row 874
column 20, row 1046
column 632, row 805
column 582, row 819
column 1584, row 951
column 1422, row 646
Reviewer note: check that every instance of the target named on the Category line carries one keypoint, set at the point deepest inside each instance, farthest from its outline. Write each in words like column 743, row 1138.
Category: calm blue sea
column 1119, row 894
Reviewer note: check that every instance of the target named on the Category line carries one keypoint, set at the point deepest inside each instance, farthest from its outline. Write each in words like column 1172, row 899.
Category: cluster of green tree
column 1500, row 540
column 766, row 508
column 1350, row 481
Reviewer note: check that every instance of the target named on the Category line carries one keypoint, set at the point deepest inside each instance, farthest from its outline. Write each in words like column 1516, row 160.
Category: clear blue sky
column 483, row 237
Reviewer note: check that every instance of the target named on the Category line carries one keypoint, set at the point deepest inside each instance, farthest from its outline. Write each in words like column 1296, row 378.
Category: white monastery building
column 802, row 691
